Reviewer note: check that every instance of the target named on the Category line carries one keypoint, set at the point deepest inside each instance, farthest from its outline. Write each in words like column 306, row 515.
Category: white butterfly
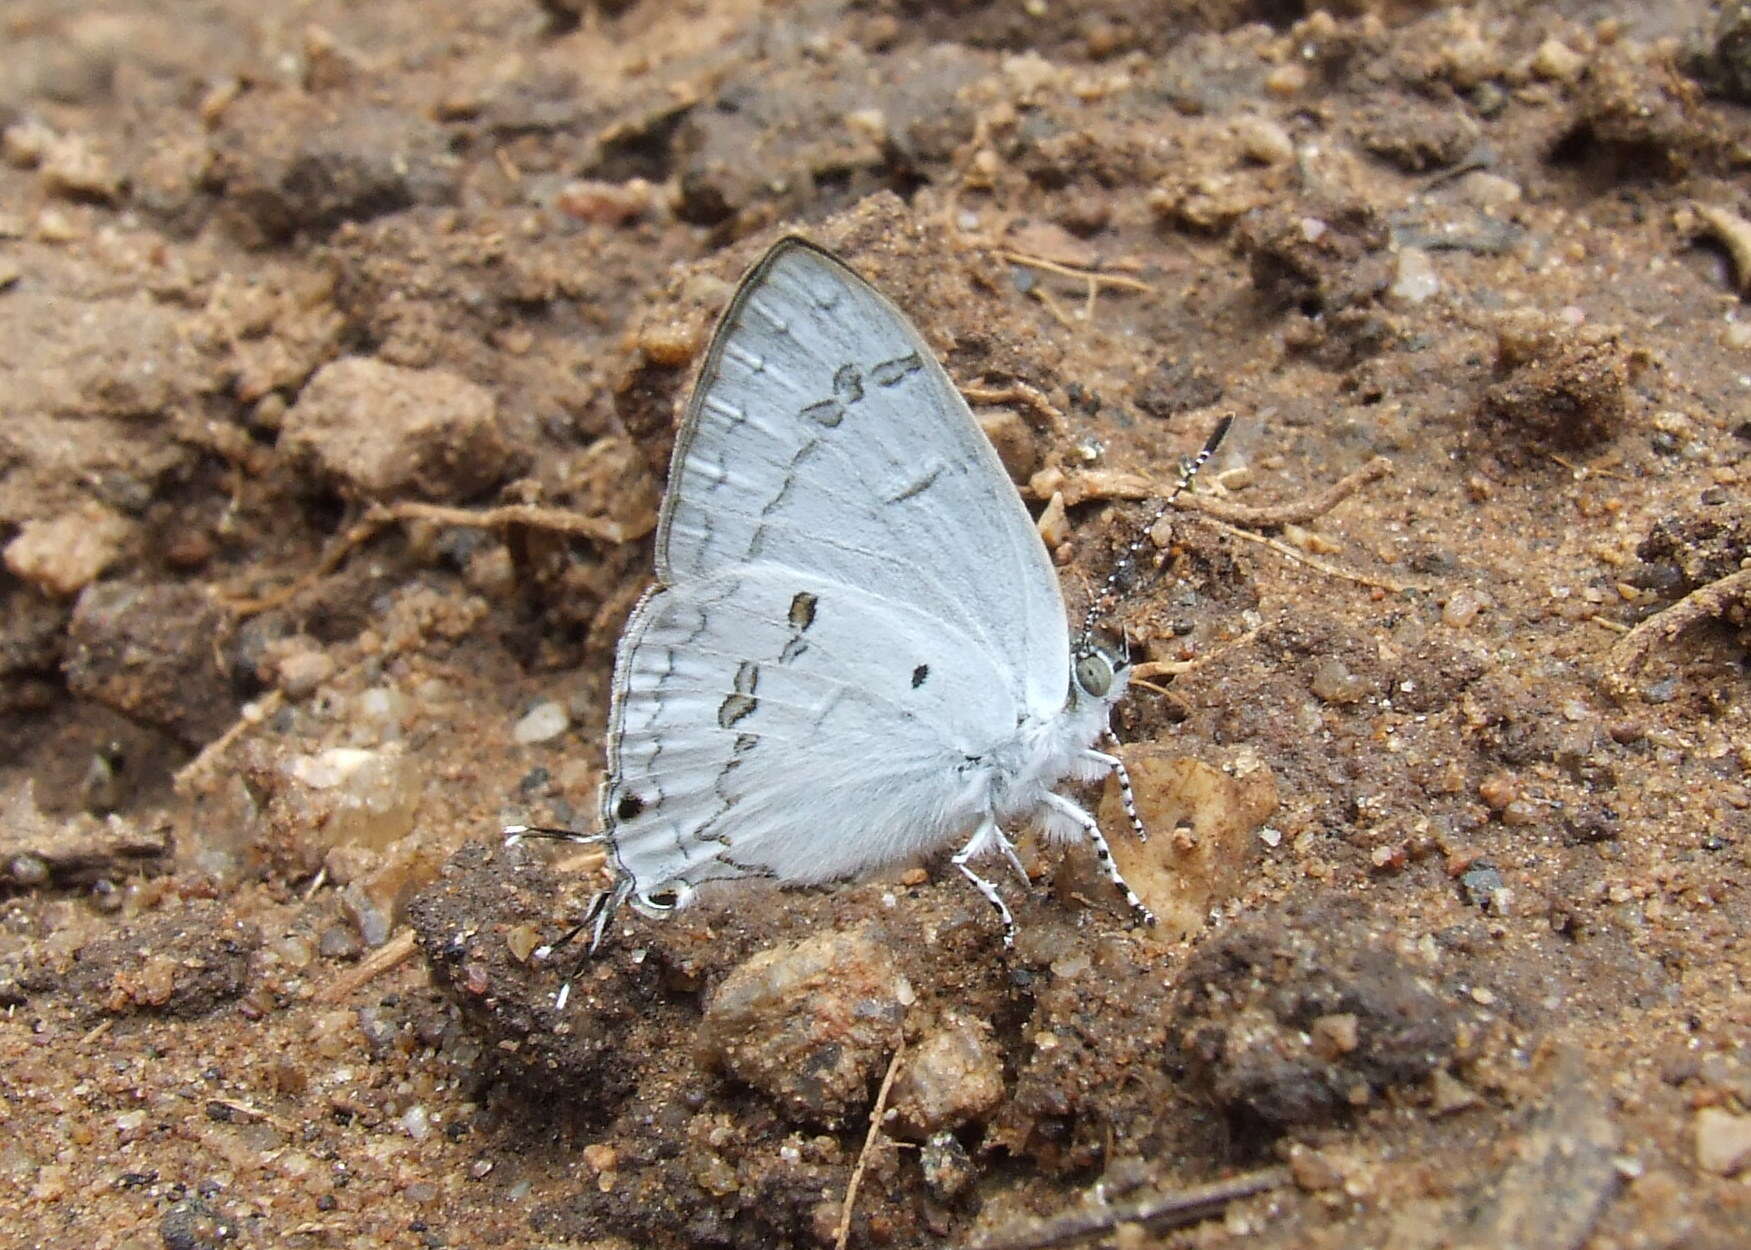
column 856, row 652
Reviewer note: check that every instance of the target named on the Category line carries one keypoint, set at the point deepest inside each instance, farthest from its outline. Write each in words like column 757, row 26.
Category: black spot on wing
column 848, row 383
column 801, row 616
column 919, row 674
column 829, row 413
column 891, row 372
column 741, row 702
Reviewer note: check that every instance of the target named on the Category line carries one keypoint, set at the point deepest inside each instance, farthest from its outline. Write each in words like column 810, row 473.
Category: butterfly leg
column 1127, row 796
column 1102, row 852
column 597, row 912
column 983, row 839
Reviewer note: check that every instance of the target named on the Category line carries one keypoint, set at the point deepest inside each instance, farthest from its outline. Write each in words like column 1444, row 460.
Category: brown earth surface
column 341, row 348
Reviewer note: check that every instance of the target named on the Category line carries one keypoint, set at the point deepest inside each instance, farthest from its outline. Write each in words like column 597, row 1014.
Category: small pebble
column 1054, row 525
column 542, row 723
column 1723, row 1141
column 1414, row 278
column 1451, row 1094
column 1312, row 1170
column 1498, row 790
column 1334, row 1035
column 1556, row 61
column 1489, row 191
column 1264, row 141
column 416, row 1122
column 1480, row 885
column 1462, row 607
column 1333, row 682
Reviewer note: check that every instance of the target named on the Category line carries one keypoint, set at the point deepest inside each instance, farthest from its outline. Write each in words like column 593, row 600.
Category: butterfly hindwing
column 772, row 723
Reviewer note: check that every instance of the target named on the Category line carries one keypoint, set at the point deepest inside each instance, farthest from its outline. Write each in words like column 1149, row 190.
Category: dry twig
column 1095, row 279
column 393, row 952
column 1298, row 512
column 1319, row 566
column 559, row 520
column 253, row 714
column 1157, row 1211
column 1096, row 276
column 869, row 1140
column 1714, row 599
column 1018, row 392
column 1176, row 668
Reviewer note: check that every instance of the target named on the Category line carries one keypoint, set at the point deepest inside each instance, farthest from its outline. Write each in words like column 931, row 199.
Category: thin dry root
column 1157, row 1212
column 1734, row 232
column 601, row 529
column 869, row 1140
column 1020, row 393
column 1714, row 599
column 393, row 952
column 1297, row 513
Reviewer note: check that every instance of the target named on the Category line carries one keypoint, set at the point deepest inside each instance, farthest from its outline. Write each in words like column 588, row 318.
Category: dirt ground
column 340, row 353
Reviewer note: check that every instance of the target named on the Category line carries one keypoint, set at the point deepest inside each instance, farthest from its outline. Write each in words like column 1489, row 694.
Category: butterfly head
column 1098, row 668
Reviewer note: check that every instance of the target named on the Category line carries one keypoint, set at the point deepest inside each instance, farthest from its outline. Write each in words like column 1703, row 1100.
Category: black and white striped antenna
column 1125, row 564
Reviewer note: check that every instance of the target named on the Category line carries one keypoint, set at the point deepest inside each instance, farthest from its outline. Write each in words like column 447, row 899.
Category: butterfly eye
column 1094, row 674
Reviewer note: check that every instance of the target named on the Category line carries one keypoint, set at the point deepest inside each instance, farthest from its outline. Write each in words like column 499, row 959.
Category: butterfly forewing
column 824, row 435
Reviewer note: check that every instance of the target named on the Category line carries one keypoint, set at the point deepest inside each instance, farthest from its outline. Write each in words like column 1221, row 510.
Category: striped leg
column 1103, row 853
column 597, row 913
column 987, row 836
column 1126, row 795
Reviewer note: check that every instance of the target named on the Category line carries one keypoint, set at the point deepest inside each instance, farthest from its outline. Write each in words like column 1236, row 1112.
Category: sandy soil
column 340, row 353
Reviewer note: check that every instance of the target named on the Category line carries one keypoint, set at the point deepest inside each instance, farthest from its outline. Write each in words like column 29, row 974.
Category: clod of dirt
column 788, row 132
column 183, row 962
column 147, row 652
column 1417, row 137
column 1094, row 1068
column 32, row 633
column 74, row 167
column 1015, row 443
column 1432, row 675
column 1203, row 823
column 1722, row 61
column 1683, row 552
column 64, row 554
column 953, row 1076
column 1176, row 386
column 1558, row 385
column 384, row 432
column 809, row 1023
column 1327, row 267
column 1259, row 1014
column 1637, row 116
column 291, row 163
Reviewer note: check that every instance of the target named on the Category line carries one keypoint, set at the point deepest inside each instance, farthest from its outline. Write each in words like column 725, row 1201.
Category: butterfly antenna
column 516, row 833
column 1126, row 563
